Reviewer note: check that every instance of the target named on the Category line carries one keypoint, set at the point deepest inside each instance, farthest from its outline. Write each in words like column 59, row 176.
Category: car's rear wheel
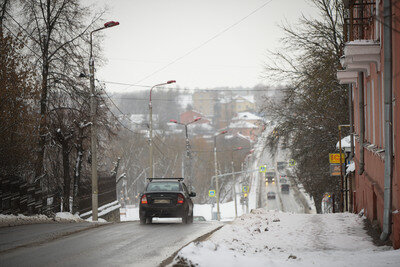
column 149, row 220
column 142, row 220
column 190, row 219
column 185, row 218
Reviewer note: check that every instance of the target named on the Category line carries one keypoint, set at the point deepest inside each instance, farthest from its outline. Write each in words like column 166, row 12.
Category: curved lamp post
column 151, row 128
column 95, row 202
column 216, row 172
column 187, row 142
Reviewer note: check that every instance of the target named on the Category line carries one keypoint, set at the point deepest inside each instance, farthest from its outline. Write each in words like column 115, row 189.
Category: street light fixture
column 151, row 128
column 187, row 144
column 95, row 200
column 216, row 172
column 234, row 179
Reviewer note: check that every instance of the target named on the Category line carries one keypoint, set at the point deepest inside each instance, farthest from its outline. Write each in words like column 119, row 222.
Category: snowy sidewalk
column 271, row 238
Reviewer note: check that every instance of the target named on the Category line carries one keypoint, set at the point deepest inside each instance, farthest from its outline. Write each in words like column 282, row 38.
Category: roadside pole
column 344, row 200
column 341, row 171
column 234, row 187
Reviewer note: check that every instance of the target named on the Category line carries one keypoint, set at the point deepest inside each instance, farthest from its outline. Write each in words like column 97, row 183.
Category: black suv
column 166, row 198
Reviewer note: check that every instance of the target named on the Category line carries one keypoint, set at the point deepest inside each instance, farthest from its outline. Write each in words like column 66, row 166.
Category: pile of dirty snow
column 12, row 220
column 20, row 219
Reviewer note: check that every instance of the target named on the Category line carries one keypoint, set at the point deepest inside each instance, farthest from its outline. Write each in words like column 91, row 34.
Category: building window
column 368, row 113
column 383, row 114
column 373, row 111
column 379, row 119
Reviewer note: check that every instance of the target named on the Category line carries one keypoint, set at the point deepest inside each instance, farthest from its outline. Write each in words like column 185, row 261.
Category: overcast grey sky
column 154, row 33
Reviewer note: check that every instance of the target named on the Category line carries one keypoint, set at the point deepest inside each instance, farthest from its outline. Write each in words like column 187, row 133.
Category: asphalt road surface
column 120, row 244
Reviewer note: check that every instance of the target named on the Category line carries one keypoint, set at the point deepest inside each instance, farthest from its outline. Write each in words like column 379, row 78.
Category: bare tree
column 56, row 32
column 314, row 103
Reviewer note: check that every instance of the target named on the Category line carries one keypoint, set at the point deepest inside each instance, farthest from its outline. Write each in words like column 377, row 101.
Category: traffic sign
column 335, row 158
column 263, row 168
column 292, row 162
column 335, row 169
column 211, row 193
column 245, row 189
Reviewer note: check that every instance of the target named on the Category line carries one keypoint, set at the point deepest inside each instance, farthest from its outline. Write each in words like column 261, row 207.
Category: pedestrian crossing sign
column 263, row 168
column 211, row 193
column 245, row 189
column 292, row 162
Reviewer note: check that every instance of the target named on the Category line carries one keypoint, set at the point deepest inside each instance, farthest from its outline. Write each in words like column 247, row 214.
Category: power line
column 108, row 96
column 198, row 89
column 204, row 43
column 116, row 118
column 16, row 37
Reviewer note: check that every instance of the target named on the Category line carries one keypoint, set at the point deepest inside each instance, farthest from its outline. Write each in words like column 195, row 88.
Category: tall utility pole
column 234, row 186
column 93, row 133
column 216, row 172
column 343, row 181
column 188, row 165
column 151, row 128
column 234, row 178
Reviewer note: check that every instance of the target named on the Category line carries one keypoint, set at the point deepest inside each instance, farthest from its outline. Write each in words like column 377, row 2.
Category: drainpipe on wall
column 351, row 120
column 362, row 121
column 377, row 22
column 387, row 80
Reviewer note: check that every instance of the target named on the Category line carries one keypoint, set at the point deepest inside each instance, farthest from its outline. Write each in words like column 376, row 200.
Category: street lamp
column 216, row 172
column 187, row 143
column 234, row 177
column 151, row 128
column 247, row 177
column 95, row 202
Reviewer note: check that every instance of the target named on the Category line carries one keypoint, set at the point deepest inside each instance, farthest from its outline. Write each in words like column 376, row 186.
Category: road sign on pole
column 335, row 158
column 292, row 162
column 211, row 193
column 335, row 169
column 263, row 168
column 245, row 189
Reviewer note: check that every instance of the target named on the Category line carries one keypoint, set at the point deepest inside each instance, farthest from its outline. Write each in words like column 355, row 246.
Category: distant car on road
column 271, row 195
column 285, row 188
column 166, row 198
column 270, row 177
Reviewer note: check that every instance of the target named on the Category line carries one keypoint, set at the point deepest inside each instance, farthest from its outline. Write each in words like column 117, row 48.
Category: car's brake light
column 180, row 199
column 144, row 199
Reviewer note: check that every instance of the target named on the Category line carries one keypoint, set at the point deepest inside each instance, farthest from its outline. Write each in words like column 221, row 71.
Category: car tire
column 142, row 220
column 190, row 218
column 185, row 218
column 149, row 220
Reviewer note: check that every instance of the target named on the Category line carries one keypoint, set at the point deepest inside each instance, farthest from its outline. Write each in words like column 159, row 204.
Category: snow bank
column 272, row 238
column 67, row 216
column 12, row 220
column 20, row 219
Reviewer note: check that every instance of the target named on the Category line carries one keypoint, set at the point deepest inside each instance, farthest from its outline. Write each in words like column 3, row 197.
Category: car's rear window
column 164, row 187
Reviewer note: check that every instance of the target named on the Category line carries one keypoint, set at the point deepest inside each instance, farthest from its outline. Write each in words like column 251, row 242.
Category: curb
column 199, row 239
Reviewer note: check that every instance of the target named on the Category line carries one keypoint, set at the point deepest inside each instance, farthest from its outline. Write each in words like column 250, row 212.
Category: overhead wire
column 204, row 43
column 198, row 89
column 108, row 96
column 26, row 46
